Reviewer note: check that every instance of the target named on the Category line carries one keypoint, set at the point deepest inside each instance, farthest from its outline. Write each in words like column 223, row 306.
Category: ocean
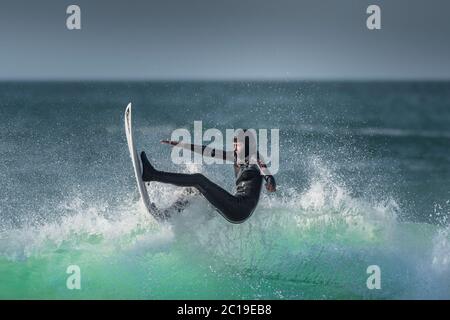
column 364, row 180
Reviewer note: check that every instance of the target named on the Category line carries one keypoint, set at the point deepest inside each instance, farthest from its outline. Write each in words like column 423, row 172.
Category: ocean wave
column 373, row 131
column 314, row 243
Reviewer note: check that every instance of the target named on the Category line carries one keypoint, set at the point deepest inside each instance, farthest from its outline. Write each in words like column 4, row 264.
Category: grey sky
column 225, row 39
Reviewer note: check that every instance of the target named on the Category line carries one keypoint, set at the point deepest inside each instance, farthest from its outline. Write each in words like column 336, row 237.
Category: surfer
column 249, row 178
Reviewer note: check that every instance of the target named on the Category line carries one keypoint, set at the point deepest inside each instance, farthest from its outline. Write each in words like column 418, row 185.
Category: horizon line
column 206, row 79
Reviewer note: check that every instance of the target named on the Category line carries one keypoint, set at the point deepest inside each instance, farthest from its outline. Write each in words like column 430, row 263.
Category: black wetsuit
column 235, row 208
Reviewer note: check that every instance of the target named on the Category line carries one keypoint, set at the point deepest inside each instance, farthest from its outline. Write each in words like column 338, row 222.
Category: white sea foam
column 297, row 235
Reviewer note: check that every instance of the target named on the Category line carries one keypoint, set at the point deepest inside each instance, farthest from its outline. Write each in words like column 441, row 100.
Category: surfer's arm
column 203, row 150
column 271, row 185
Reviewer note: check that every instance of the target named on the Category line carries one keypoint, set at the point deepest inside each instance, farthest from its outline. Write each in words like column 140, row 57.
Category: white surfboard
column 137, row 165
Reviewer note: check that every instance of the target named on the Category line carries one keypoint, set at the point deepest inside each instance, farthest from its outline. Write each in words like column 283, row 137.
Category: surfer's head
column 244, row 145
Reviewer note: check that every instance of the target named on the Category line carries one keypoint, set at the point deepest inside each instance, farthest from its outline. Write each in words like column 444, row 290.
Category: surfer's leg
column 230, row 206
column 196, row 180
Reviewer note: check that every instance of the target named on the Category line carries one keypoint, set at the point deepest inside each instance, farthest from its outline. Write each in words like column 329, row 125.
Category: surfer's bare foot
column 148, row 171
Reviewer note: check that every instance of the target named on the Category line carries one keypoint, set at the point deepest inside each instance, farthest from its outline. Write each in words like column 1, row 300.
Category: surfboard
column 151, row 208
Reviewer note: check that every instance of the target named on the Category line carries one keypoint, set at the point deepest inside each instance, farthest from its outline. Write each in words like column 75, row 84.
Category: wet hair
column 246, row 142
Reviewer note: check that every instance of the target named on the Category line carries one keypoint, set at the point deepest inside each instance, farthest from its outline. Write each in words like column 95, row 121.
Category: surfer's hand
column 271, row 186
column 172, row 143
